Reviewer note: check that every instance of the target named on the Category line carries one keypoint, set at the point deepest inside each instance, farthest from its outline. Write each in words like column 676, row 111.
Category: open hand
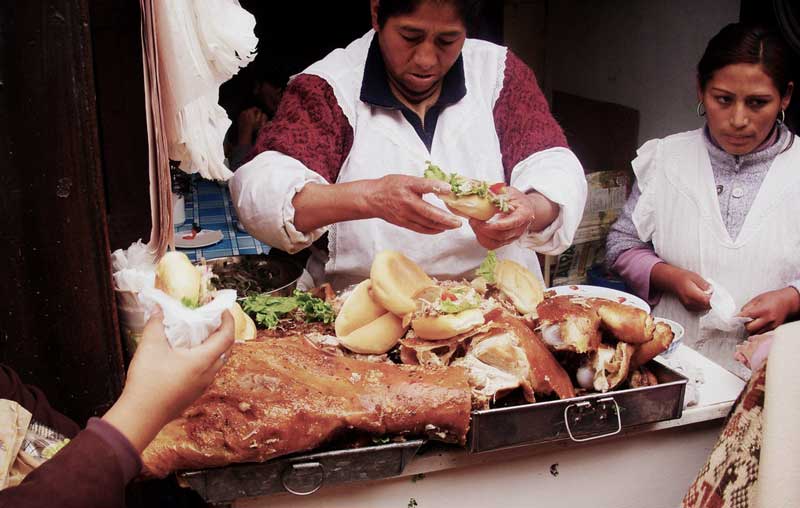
column 397, row 199
column 504, row 228
column 771, row 309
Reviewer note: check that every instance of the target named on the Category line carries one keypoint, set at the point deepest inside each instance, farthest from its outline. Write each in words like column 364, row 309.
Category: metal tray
column 300, row 474
column 580, row 418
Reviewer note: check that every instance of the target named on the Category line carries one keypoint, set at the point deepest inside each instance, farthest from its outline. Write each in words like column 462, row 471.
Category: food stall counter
column 645, row 466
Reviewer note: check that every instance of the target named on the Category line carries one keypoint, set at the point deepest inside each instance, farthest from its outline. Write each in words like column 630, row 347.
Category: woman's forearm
column 662, row 276
column 545, row 211
column 318, row 205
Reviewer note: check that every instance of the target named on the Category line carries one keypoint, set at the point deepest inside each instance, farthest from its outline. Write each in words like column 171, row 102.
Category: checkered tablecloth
column 210, row 205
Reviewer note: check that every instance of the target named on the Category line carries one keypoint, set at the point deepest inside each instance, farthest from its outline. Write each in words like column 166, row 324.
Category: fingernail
column 443, row 188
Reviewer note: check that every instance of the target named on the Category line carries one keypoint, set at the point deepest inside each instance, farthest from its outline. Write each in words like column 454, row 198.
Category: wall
column 641, row 54
column 638, row 53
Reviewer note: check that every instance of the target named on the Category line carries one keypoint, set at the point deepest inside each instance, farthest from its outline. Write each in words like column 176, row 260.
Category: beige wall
column 639, row 53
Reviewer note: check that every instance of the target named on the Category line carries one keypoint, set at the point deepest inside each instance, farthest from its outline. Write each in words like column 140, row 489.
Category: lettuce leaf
column 486, row 270
column 465, row 298
column 435, row 172
column 314, row 309
column 267, row 310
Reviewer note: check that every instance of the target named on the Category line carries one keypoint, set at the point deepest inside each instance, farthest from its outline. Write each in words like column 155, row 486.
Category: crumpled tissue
column 186, row 327
column 134, row 268
column 722, row 315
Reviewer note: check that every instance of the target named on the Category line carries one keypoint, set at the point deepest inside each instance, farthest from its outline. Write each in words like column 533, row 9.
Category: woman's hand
column 397, row 199
column 528, row 212
column 688, row 287
column 163, row 381
column 504, row 228
column 771, row 309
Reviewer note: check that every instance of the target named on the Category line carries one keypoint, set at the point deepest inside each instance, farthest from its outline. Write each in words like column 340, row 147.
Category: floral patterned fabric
column 729, row 477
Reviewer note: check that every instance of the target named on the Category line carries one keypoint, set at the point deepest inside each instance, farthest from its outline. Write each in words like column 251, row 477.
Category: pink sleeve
column 310, row 127
column 634, row 266
column 522, row 117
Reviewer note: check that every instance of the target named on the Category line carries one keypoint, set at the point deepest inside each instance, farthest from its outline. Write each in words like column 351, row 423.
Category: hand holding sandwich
column 162, row 381
column 527, row 212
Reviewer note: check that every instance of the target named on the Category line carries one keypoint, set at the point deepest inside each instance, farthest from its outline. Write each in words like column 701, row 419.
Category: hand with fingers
column 162, row 381
column 692, row 290
column 397, row 199
column 771, row 309
column 504, row 228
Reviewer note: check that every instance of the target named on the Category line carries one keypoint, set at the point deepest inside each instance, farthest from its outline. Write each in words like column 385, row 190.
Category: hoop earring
column 701, row 109
column 782, row 118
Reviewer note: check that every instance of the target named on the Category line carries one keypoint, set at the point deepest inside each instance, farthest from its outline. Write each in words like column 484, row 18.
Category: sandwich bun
column 469, row 207
column 244, row 327
column 358, row 310
column 395, row 281
column 376, row 337
column 445, row 326
column 522, row 287
column 178, row 277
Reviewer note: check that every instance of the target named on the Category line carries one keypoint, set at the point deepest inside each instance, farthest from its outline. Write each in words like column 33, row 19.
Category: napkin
column 186, row 327
column 722, row 315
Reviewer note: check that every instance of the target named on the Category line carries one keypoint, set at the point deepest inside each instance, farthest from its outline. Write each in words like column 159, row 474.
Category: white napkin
column 183, row 326
column 134, row 268
column 722, row 315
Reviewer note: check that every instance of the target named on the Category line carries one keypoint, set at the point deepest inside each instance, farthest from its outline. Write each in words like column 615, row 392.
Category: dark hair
column 750, row 44
column 468, row 10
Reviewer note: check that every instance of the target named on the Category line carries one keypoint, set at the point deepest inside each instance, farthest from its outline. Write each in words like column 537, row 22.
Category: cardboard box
column 606, row 197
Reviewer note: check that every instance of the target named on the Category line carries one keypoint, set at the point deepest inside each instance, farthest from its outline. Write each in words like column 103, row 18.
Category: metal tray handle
column 587, row 404
column 300, row 473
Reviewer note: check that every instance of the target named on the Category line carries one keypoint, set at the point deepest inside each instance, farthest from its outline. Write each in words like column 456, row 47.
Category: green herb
column 54, row 448
column 412, row 503
column 314, row 309
column 188, row 302
column 435, row 173
column 486, row 270
column 417, row 477
column 381, row 440
column 268, row 310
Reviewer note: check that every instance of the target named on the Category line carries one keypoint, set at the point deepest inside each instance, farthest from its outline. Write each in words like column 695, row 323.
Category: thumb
column 154, row 328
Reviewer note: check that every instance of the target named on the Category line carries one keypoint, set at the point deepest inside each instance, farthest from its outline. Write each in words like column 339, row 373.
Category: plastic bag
column 723, row 313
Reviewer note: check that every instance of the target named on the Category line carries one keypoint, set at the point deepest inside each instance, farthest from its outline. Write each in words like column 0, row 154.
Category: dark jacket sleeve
column 32, row 399
column 84, row 474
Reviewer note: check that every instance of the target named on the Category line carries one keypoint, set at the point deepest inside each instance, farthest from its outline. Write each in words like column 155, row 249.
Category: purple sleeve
column 32, row 399
column 634, row 266
column 128, row 458
column 87, row 473
column 623, row 235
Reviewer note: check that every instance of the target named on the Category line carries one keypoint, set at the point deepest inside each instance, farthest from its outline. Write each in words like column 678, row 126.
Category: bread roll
column 376, row 337
column 470, row 207
column 519, row 284
column 444, row 326
column 358, row 310
column 395, row 281
column 179, row 278
column 244, row 327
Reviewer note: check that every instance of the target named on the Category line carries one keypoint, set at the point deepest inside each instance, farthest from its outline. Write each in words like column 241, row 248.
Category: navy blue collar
column 375, row 84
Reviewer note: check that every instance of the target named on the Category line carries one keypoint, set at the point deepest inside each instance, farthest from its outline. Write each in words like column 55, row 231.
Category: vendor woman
column 347, row 149
column 720, row 203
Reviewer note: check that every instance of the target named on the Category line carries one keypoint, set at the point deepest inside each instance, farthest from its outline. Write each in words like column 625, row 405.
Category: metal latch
column 584, row 410
column 304, row 478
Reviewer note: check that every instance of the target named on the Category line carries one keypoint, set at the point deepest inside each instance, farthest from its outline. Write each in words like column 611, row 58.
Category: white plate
column 601, row 292
column 677, row 329
column 204, row 238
